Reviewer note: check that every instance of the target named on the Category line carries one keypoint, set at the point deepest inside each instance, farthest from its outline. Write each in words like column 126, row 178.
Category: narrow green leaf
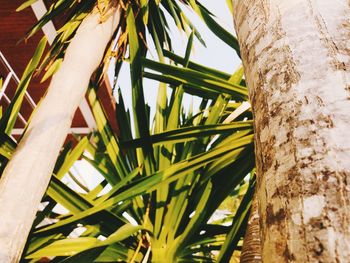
column 144, row 10
column 230, row 6
column 237, row 77
column 7, row 145
column 67, row 197
column 195, row 78
column 52, row 69
column 73, row 246
column 25, row 5
column 107, row 135
column 218, row 30
column 72, row 157
column 191, row 133
column 138, row 101
column 196, row 66
column 65, row 247
column 121, row 234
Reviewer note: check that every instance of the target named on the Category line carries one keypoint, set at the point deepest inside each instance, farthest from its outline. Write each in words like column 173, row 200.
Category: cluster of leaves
column 171, row 207
column 162, row 182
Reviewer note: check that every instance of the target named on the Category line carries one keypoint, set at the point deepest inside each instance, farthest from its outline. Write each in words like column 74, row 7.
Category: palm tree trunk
column 297, row 62
column 28, row 173
column 251, row 251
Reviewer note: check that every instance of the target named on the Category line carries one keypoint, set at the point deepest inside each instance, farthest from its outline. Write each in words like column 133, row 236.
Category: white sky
column 217, row 54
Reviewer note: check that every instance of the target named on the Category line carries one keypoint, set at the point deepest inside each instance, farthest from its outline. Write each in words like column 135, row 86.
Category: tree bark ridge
column 251, row 251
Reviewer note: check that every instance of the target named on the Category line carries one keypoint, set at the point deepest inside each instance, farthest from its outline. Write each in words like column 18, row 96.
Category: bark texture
column 251, row 251
column 28, row 173
column 297, row 62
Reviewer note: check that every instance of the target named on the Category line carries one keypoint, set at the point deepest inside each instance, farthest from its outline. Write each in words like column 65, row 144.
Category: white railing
column 12, row 76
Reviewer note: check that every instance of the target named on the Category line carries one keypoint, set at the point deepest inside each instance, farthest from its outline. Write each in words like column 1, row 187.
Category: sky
column 217, row 54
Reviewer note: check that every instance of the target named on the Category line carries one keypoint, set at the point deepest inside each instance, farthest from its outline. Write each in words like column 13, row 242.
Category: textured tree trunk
column 28, row 173
column 297, row 62
column 251, row 251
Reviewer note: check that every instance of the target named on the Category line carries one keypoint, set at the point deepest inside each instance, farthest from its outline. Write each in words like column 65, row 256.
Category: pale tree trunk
column 296, row 55
column 28, row 173
column 251, row 251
